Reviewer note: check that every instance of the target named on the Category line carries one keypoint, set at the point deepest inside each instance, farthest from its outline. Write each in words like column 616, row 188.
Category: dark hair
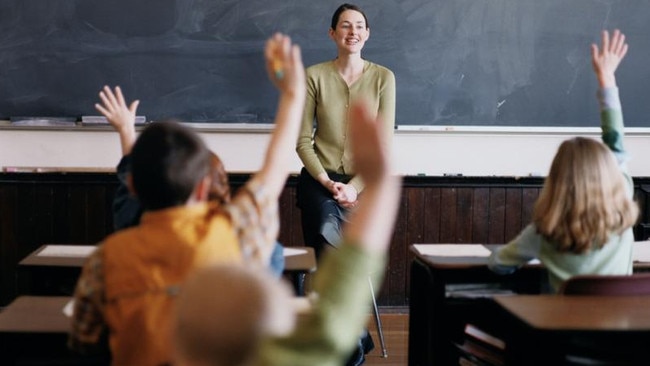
column 341, row 9
column 168, row 161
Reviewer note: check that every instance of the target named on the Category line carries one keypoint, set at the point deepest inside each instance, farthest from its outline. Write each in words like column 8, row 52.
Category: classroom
column 486, row 93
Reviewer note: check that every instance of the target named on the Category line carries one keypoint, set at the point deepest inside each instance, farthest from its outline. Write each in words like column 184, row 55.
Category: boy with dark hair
column 168, row 164
column 128, row 286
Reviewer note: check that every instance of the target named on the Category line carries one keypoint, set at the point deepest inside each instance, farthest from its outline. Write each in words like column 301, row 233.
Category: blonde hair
column 224, row 312
column 584, row 199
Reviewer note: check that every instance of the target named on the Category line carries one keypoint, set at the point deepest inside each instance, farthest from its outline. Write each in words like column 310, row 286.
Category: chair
column 585, row 353
column 609, row 285
column 375, row 310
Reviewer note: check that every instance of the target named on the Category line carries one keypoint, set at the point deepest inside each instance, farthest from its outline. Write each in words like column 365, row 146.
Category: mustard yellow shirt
column 128, row 285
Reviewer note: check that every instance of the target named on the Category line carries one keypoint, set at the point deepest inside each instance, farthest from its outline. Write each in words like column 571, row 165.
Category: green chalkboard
column 456, row 62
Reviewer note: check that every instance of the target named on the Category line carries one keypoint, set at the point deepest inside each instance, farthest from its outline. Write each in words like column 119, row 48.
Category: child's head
column 168, row 162
column 584, row 198
column 224, row 312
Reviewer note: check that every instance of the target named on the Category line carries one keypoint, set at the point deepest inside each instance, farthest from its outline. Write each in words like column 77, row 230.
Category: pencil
column 277, row 68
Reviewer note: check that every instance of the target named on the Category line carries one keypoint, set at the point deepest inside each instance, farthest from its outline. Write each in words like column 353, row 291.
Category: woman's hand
column 345, row 194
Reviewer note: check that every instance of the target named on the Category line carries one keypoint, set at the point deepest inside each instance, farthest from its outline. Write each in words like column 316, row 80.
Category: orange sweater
column 143, row 267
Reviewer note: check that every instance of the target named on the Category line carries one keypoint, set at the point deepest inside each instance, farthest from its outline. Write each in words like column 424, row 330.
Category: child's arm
column 371, row 225
column 291, row 86
column 126, row 208
column 605, row 61
column 521, row 250
column 88, row 324
column 254, row 210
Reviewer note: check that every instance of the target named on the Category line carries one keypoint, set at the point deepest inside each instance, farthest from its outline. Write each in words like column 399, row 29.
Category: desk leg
column 299, row 283
column 421, row 339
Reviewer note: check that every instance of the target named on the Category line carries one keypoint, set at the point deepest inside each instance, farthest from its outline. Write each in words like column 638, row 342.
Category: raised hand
column 119, row 115
column 369, row 148
column 284, row 64
column 371, row 224
column 606, row 59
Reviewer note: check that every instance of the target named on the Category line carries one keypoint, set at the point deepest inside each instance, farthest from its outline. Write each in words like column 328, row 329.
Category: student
column 582, row 221
column 250, row 320
column 328, row 185
column 126, row 207
column 128, row 286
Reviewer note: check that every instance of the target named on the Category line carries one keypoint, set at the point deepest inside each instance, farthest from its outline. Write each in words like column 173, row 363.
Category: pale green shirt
column 614, row 258
column 327, row 149
column 327, row 334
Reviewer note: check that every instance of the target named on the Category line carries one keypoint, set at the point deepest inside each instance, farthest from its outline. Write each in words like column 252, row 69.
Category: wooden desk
column 34, row 330
column 436, row 320
column 53, row 274
column 305, row 261
column 35, row 314
column 614, row 327
column 57, row 274
column 39, row 258
column 298, row 263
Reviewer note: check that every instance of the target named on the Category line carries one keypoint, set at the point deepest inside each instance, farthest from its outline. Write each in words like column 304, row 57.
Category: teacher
column 327, row 187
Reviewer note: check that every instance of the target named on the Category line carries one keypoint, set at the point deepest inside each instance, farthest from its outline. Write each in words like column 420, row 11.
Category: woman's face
column 351, row 33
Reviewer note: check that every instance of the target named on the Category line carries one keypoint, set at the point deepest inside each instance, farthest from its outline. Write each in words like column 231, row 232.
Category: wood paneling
column 75, row 208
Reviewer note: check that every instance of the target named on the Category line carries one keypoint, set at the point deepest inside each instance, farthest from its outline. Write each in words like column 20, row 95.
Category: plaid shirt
column 255, row 220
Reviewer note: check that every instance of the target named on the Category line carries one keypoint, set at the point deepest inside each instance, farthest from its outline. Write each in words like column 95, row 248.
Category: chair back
column 609, row 285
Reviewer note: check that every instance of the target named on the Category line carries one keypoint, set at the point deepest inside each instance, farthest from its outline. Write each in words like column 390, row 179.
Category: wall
column 434, row 151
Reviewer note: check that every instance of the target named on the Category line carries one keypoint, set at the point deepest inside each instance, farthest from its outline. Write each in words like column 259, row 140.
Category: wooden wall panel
column 447, row 215
column 75, row 208
column 497, row 215
column 431, row 215
column 464, row 216
column 480, row 215
column 512, row 225
column 528, row 197
column 393, row 290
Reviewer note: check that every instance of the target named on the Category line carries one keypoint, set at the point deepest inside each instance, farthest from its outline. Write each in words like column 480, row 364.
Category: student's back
column 129, row 283
column 582, row 221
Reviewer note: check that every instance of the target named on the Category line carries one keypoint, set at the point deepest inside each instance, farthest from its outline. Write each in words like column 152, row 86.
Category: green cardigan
column 328, row 99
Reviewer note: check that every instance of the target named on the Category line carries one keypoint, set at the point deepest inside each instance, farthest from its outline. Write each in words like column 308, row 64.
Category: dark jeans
column 321, row 216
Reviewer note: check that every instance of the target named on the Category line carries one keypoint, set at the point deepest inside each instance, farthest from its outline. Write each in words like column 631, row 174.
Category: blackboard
column 456, row 62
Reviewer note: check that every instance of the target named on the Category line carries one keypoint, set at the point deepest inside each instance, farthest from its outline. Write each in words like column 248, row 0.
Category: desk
column 53, row 270
column 35, row 314
column 298, row 263
column 57, row 273
column 436, row 320
column 615, row 327
column 34, row 330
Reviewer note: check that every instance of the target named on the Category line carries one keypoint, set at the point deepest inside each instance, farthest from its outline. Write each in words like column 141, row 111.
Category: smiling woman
column 327, row 187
